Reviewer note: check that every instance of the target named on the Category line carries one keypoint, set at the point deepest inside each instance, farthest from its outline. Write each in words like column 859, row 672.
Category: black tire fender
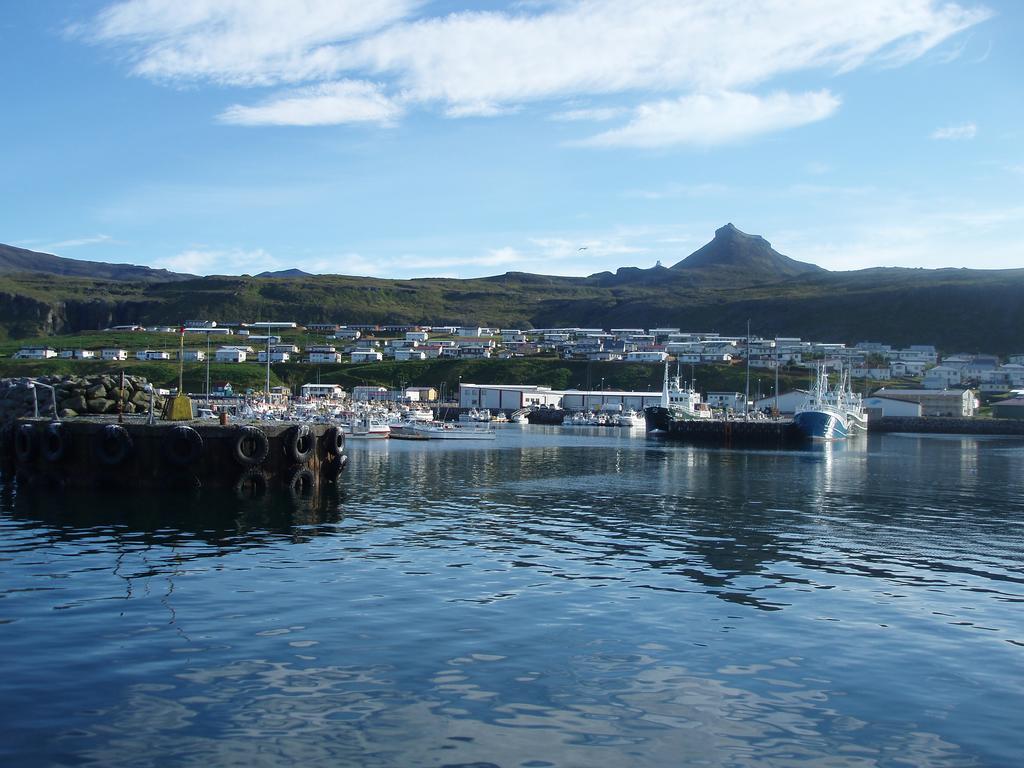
column 25, row 443
column 299, row 443
column 251, row 484
column 251, row 447
column 183, row 446
column 334, row 440
column 299, row 482
column 55, row 442
column 332, row 468
column 113, row 445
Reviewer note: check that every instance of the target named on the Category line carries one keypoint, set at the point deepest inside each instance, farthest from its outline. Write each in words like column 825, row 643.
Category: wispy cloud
column 596, row 115
column 348, row 101
column 77, row 242
column 201, row 260
column 720, row 118
column 955, row 132
column 473, row 63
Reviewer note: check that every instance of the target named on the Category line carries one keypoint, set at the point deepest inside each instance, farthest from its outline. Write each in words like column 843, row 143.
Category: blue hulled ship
column 831, row 414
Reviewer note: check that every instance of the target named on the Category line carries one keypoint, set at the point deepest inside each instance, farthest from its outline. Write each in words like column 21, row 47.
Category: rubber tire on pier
column 299, row 444
column 255, row 438
column 332, row 468
column 55, row 442
column 113, row 445
column 300, row 482
column 25, row 443
column 183, row 446
column 334, row 439
column 251, row 484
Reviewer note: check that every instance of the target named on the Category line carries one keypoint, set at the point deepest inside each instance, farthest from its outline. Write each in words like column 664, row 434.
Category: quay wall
column 97, row 452
column 946, row 425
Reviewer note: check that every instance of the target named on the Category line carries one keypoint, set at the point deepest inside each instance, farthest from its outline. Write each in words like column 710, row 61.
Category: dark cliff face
column 28, row 317
column 751, row 254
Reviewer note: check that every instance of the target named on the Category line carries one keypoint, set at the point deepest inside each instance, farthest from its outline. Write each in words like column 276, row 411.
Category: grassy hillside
column 957, row 310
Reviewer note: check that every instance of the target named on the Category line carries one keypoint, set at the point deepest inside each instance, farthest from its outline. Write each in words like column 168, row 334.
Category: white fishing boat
column 631, row 419
column 442, row 431
column 365, row 427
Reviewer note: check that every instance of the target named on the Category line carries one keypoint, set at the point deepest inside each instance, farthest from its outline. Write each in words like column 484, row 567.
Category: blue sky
column 408, row 139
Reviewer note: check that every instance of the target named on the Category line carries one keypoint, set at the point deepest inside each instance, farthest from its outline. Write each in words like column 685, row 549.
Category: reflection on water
column 546, row 599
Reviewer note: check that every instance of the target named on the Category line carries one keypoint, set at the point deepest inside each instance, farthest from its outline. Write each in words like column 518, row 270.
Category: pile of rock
column 76, row 396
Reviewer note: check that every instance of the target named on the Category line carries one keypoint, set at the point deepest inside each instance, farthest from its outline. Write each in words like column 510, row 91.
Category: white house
column 941, row 377
column 152, row 354
column 110, row 353
column 409, row 353
column 324, row 355
column 193, row 355
column 275, row 356
column 646, row 357
column 366, row 356
column 321, row 390
column 77, row 354
column 417, row 336
column 230, row 355
column 36, row 353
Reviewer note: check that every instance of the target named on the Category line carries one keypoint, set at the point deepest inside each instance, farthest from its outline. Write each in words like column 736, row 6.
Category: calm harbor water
column 553, row 598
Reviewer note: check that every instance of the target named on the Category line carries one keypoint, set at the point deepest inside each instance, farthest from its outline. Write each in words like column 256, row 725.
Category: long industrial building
column 509, row 397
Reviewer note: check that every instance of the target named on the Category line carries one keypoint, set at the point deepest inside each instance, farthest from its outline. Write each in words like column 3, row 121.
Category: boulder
column 76, row 403
column 95, row 392
column 99, row 405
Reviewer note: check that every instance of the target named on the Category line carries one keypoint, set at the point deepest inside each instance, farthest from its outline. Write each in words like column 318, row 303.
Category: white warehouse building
column 502, row 397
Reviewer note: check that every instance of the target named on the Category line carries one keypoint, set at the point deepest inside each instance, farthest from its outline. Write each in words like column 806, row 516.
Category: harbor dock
column 251, row 458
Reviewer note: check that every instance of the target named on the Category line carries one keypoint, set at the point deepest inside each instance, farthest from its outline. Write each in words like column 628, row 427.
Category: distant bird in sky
column 582, row 248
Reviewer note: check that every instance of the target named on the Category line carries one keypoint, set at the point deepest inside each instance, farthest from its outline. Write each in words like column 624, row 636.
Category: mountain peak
column 751, row 253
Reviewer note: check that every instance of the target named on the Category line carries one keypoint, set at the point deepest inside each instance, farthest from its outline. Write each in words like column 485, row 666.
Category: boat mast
column 776, row 376
column 746, row 395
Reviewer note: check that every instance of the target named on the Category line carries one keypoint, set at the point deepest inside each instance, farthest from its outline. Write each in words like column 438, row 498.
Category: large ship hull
column 821, row 425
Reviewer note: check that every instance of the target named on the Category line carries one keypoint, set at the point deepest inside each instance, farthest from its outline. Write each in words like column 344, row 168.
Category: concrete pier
column 734, row 434
column 249, row 457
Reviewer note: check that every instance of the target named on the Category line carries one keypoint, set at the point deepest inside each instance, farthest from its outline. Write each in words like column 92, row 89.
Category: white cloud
column 240, row 42
column 721, row 118
column 78, row 241
column 473, row 63
column 347, row 101
column 956, row 132
column 596, row 115
column 231, row 261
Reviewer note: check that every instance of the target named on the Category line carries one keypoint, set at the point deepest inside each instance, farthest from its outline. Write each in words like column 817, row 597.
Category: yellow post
column 179, row 407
